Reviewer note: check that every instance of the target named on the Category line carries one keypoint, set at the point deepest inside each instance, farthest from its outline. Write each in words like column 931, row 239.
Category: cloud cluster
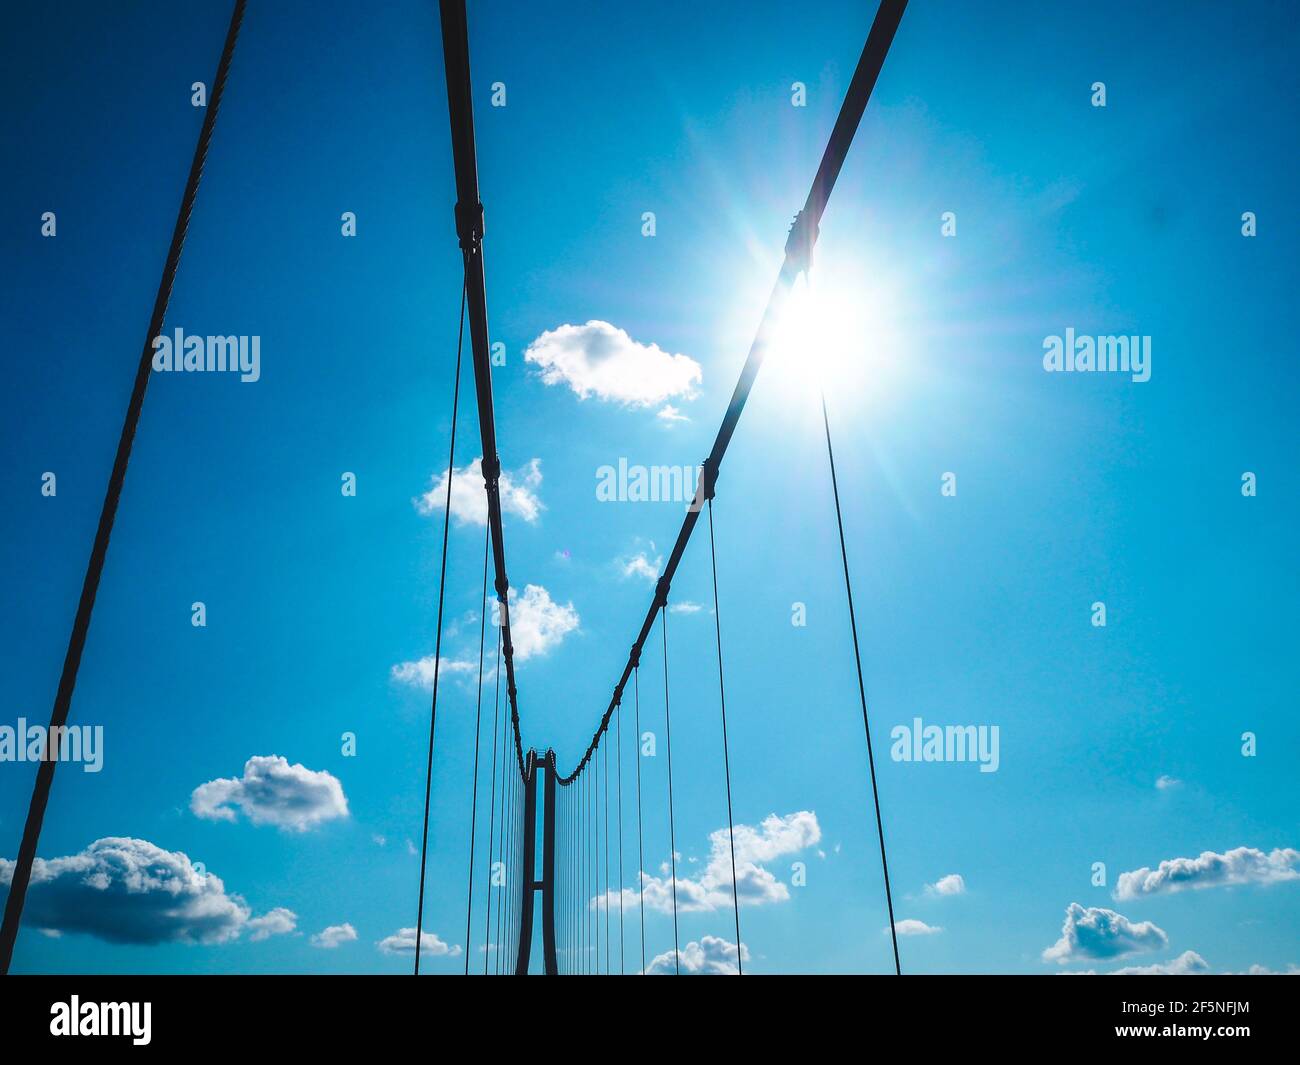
column 419, row 673
column 1094, row 933
column 1244, row 865
column 707, row 956
column 131, row 891
column 911, row 927
column 755, row 885
column 601, row 360
column 469, row 498
column 273, row 792
column 403, row 942
column 641, row 565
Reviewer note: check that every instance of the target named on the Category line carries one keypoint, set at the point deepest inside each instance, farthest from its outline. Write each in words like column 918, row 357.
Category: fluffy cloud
column 469, row 498
column 273, row 792
column 598, row 359
column 755, row 885
column 685, row 606
column 668, row 414
column 335, row 934
column 707, row 956
column 1164, row 782
column 276, row 922
column 1245, row 865
column 1096, row 933
column 132, row 891
column 419, row 673
column 403, row 942
column 952, row 884
column 912, row 927
column 640, row 565
column 538, row 623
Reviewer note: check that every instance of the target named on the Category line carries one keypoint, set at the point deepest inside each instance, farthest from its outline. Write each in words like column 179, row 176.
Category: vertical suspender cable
column 862, row 691
column 437, row 641
column 22, row 870
column 478, row 720
column 726, row 755
column 672, row 830
column 640, row 839
column 492, row 811
column 619, row 762
column 605, row 778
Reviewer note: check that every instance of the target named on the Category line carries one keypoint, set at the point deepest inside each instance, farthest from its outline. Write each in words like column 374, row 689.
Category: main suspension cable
column 22, row 869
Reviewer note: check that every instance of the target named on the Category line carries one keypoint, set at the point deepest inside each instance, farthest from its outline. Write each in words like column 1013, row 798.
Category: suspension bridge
column 555, row 835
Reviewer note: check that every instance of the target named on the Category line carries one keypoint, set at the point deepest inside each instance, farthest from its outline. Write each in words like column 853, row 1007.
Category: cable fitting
column 661, row 591
column 469, row 225
column 799, row 244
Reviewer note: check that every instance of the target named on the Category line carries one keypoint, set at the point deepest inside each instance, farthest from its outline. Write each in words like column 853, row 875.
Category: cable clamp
column 661, row 591
column 469, row 225
column 799, row 244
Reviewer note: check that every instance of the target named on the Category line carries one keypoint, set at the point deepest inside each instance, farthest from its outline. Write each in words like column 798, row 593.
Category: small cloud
column 419, row 673
column 685, row 606
column 912, row 927
column 469, row 497
column 403, row 942
column 331, row 937
column 639, row 565
column 378, row 840
column 669, row 415
column 276, row 922
column 273, row 792
column 1094, row 933
column 709, row 955
column 1244, row 865
column 1189, row 963
column 1165, row 782
column 952, row 884
column 601, row 360
column 538, row 624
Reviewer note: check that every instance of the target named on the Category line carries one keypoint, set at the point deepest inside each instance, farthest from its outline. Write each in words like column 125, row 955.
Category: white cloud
column 668, row 414
column 403, row 942
column 952, row 884
column 1096, row 933
column 685, row 606
column 131, row 891
column 333, row 936
column 911, row 927
column 640, row 565
column 711, row 890
column 599, row 359
column 709, row 955
column 419, row 673
column 276, row 922
column 469, row 498
column 537, row 623
column 1244, row 865
column 1164, row 782
column 273, row 792
column 1188, row 963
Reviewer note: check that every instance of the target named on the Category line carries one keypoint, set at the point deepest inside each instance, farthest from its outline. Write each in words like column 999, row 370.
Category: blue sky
column 973, row 609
